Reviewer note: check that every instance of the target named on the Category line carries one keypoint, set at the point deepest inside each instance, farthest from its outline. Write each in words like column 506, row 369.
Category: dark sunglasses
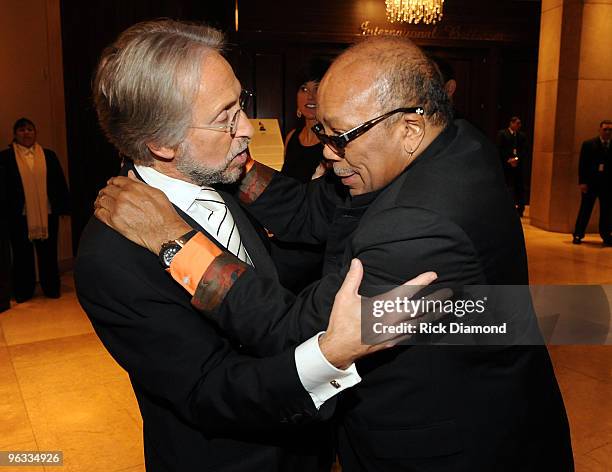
column 337, row 143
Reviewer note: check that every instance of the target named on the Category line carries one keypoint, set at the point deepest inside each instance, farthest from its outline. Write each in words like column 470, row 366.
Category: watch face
column 169, row 253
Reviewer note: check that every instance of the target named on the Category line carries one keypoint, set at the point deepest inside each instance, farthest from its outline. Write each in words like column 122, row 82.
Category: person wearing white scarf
column 37, row 195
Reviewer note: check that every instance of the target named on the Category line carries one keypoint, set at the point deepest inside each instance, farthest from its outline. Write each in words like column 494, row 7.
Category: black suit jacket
column 57, row 190
column 5, row 247
column 506, row 143
column 592, row 155
column 205, row 404
column 422, row 407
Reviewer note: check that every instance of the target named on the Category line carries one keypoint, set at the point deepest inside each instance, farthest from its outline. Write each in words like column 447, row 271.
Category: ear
column 162, row 152
column 413, row 132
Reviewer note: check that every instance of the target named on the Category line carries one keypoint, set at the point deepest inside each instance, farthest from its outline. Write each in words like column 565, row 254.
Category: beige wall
column 574, row 93
column 32, row 79
column 594, row 97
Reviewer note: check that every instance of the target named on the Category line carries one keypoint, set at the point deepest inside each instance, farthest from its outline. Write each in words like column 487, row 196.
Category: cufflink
column 335, row 384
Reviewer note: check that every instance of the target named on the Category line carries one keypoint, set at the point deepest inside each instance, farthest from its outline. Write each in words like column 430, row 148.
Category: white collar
column 25, row 150
column 179, row 192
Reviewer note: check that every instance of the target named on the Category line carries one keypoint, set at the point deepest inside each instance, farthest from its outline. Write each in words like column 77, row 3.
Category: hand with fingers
column 141, row 213
column 342, row 343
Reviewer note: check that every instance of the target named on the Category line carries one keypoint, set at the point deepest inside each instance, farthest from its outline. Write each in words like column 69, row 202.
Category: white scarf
column 34, row 182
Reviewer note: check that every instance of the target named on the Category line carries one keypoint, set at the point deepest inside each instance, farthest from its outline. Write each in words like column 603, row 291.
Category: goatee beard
column 202, row 175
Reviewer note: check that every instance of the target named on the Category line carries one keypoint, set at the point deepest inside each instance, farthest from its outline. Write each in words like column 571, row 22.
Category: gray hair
column 146, row 83
column 405, row 77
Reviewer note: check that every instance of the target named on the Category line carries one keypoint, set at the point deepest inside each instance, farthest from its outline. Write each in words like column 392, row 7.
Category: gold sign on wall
column 465, row 32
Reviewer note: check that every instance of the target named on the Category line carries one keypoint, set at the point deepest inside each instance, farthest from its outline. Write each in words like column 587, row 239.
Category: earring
column 410, row 153
column 299, row 114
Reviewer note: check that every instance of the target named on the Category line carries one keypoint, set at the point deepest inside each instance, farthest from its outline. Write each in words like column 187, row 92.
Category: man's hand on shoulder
column 139, row 212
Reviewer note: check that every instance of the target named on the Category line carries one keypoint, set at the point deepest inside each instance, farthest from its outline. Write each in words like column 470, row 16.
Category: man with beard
column 424, row 192
column 166, row 98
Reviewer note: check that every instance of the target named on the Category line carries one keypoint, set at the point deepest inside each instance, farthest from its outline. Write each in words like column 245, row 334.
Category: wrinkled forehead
column 215, row 70
column 218, row 85
column 350, row 85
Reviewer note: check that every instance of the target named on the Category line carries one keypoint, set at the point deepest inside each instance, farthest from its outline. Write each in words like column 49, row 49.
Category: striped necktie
column 221, row 224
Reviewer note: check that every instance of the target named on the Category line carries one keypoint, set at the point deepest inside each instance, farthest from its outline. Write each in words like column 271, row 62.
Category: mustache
column 241, row 146
column 342, row 171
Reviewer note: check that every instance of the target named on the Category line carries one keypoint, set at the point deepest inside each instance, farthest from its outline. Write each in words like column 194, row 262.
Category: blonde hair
column 146, row 83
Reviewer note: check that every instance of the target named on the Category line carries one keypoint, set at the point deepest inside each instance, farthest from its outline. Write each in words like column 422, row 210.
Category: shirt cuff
column 191, row 262
column 319, row 378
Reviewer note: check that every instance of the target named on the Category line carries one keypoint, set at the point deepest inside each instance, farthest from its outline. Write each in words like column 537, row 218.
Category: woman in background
column 303, row 150
column 299, row 265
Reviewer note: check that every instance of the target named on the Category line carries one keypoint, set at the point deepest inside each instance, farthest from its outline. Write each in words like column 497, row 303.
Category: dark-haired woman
column 300, row 264
column 303, row 150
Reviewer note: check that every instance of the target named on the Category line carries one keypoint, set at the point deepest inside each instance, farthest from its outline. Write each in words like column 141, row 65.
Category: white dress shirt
column 319, row 378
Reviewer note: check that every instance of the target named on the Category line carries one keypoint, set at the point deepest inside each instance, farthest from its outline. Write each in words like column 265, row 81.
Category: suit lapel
column 257, row 251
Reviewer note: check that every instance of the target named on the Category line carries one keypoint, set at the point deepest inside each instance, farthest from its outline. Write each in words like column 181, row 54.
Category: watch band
column 186, row 237
column 170, row 248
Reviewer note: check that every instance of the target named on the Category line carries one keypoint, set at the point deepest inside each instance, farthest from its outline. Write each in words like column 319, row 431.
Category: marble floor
column 60, row 390
column 584, row 372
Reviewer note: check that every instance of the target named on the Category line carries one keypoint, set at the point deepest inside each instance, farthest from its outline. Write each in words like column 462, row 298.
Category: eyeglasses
column 232, row 125
column 337, row 143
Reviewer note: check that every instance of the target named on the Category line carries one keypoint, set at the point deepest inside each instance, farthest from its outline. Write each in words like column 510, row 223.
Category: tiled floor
column 59, row 389
column 584, row 372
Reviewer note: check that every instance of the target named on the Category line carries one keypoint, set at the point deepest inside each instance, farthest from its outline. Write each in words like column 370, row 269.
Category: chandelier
column 414, row 11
